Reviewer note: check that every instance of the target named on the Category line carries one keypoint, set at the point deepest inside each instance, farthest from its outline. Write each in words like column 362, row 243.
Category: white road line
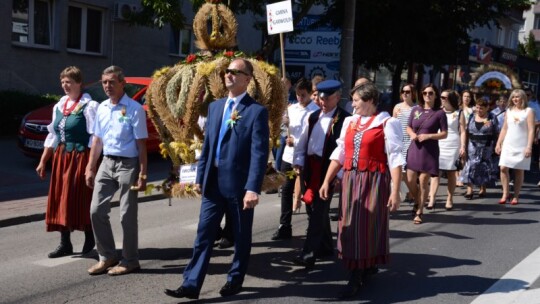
column 512, row 287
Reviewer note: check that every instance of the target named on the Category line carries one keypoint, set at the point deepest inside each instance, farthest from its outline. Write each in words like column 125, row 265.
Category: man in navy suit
column 230, row 173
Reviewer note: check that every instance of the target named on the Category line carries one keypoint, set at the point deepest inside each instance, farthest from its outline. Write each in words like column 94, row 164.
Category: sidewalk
column 15, row 212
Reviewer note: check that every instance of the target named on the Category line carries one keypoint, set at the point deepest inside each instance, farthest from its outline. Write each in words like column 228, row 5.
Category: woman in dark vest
column 68, row 142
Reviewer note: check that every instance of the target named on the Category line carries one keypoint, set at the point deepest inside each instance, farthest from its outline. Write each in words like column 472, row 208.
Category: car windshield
column 96, row 90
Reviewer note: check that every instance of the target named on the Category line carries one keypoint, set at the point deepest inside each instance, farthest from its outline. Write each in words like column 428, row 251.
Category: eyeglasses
column 444, row 97
column 235, row 72
column 406, row 92
column 426, row 93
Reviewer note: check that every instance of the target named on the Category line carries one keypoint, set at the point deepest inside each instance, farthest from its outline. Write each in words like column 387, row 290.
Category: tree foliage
column 529, row 48
column 432, row 32
column 158, row 13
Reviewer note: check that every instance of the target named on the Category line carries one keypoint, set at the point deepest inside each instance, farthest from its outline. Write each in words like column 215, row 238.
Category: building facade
column 39, row 38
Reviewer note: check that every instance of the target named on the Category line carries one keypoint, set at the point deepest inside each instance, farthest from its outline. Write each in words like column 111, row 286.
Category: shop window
column 32, row 22
column 181, row 42
column 530, row 79
column 85, row 30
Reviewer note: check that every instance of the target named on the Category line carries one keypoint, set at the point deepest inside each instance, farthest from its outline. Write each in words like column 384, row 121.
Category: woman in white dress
column 402, row 111
column 515, row 144
column 451, row 148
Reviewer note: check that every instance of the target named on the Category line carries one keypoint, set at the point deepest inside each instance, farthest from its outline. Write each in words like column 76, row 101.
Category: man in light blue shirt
column 120, row 132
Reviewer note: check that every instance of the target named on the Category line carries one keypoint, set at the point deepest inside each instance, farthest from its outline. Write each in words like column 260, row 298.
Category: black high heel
column 469, row 196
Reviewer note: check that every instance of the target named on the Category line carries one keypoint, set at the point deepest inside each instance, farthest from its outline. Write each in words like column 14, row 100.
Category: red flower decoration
column 228, row 54
column 191, row 58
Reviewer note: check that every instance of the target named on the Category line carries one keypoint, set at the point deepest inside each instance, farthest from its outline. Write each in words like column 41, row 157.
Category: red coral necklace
column 362, row 126
column 65, row 111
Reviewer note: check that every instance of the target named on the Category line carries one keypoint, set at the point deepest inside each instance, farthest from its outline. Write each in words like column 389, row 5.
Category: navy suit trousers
column 213, row 206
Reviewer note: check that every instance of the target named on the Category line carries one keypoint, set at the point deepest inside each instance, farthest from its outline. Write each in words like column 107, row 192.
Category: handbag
column 459, row 164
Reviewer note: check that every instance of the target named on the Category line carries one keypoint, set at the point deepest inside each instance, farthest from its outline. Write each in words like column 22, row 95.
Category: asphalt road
column 481, row 252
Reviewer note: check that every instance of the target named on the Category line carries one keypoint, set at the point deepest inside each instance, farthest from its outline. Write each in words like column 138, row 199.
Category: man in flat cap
column 311, row 160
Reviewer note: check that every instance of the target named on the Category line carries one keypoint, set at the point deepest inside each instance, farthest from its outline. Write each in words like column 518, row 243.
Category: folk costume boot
column 89, row 242
column 354, row 284
column 65, row 247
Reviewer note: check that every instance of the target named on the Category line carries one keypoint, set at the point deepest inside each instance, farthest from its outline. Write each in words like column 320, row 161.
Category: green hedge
column 14, row 105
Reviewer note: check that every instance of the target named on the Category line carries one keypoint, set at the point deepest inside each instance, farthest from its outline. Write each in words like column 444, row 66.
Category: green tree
column 161, row 12
column 397, row 33
column 529, row 48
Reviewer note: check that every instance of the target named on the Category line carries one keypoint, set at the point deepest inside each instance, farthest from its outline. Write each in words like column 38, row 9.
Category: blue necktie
column 224, row 126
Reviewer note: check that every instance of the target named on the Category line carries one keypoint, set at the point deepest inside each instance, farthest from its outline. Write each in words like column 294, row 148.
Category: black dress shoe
column 353, row 286
column 61, row 250
column 282, row 234
column 230, row 289
column 182, row 292
column 89, row 244
column 307, row 263
column 225, row 243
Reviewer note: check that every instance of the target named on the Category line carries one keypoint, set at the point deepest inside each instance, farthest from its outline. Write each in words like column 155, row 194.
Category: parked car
column 33, row 129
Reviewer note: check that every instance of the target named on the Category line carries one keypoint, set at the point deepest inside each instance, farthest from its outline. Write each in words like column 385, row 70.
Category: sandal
column 418, row 219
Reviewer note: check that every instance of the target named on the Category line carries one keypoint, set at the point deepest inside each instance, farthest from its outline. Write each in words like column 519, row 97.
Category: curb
column 24, row 219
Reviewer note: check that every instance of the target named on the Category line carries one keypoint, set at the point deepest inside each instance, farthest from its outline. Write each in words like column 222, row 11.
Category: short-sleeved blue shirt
column 119, row 126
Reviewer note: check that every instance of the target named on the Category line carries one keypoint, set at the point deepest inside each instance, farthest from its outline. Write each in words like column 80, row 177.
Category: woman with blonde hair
column 515, row 144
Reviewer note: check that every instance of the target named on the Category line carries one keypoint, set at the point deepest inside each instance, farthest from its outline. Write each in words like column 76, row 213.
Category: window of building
column 536, row 24
column 181, row 42
column 501, row 33
column 530, row 79
column 512, row 40
column 85, row 29
column 32, row 22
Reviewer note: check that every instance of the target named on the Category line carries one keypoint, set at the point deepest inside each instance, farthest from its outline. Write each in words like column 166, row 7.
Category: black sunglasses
column 235, row 72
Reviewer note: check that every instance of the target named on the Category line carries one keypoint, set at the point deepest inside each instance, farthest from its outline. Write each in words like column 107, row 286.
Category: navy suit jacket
column 244, row 149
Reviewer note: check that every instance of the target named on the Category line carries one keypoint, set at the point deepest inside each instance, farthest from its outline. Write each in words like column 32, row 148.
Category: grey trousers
column 116, row 175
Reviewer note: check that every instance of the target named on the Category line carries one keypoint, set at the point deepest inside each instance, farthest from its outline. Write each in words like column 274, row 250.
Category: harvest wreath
column 179, row 95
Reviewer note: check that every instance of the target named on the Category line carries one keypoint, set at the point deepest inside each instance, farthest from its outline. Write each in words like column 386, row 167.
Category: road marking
column 512, row 287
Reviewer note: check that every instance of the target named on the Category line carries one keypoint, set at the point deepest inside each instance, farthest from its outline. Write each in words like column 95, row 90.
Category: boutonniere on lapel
column 234, row 119
column 417, row 114
column 123, row 117
column 334, row 121
column 77, row 109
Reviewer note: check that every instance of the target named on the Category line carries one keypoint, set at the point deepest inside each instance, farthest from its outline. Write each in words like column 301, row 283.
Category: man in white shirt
column 311, row 160
column 297, row 114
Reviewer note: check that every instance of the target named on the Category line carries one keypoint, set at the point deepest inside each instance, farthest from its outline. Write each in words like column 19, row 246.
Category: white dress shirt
column 313, row 145
column 298, row 118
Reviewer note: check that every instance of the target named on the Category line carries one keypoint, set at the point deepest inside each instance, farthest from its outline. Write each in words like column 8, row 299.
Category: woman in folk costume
column 68, row 142
column 369, row 151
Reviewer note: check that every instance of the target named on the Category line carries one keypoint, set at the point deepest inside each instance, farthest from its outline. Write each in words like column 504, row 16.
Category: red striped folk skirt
column 68, row 206
column 363, row 228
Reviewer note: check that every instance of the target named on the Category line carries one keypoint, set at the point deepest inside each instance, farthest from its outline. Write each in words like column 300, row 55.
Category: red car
column 33, row 129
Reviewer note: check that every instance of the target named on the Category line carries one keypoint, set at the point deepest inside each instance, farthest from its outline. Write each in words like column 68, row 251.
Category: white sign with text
column 279, row 17
column 188, row 173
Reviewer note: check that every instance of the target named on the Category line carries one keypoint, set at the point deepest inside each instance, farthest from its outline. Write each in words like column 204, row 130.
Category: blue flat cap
column 328, row 87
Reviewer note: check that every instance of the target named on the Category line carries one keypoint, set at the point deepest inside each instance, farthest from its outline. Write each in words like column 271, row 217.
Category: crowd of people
column 371, row 158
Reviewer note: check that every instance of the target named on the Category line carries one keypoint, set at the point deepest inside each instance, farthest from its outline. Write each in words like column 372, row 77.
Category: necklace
column 362, row 126
column 65, row 111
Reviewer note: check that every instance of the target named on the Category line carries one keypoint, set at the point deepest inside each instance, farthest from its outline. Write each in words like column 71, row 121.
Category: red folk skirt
column 363, row 226
column 68, row 206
